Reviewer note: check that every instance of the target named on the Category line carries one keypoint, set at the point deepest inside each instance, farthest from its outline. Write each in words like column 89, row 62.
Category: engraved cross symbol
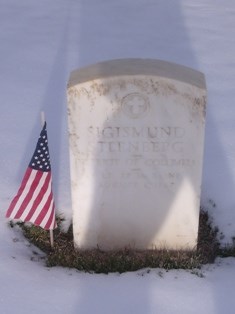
column 137, row 108
column 135, row 105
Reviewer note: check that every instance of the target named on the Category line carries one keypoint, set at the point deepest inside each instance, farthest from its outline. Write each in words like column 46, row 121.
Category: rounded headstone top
column 136, row 67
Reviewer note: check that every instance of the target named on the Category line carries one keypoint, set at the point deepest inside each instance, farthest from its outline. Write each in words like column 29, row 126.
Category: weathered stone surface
column 136, row 132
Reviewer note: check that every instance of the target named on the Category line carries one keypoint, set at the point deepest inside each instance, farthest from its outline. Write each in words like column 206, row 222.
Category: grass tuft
column 98, row 261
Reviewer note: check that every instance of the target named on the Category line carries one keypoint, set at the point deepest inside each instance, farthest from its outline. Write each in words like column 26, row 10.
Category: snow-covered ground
column 27, row 286
column 40, row 43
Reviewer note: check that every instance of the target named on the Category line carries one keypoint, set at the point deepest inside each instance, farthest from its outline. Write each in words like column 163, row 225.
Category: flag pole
column 51, row 230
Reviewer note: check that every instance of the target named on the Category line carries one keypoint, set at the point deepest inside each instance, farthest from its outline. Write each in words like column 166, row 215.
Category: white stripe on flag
column 47, row 216
column 24, row 193
column 42, row 203
column 35, row 195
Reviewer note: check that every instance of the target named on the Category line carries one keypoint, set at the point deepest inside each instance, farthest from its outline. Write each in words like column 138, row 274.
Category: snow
column 26, row 282
column 41, row 43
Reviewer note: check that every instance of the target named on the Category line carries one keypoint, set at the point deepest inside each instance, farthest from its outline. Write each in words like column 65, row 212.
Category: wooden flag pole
column 51, row 237
column 51, row 230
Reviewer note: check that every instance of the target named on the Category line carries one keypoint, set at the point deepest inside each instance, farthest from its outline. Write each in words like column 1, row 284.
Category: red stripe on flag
column 20, row 191
column 50, row 220
column 39, row 197
column 29, row 194
column 44, row 210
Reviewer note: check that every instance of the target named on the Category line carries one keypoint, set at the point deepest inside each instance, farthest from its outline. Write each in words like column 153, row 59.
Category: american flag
column 34, row 201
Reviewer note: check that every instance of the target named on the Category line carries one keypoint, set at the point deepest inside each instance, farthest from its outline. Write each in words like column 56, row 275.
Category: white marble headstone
column 136, row 132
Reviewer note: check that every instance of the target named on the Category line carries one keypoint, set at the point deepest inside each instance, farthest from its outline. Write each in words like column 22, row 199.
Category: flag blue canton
column 41, row 158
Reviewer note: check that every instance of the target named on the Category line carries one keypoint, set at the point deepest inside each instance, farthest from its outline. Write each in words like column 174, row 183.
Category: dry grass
column 98, row 261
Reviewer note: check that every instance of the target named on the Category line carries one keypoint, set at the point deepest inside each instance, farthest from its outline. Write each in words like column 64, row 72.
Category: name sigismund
column 155, row 132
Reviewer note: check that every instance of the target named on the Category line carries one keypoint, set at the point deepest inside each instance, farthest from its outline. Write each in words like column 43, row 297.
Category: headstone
column 136, row 132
